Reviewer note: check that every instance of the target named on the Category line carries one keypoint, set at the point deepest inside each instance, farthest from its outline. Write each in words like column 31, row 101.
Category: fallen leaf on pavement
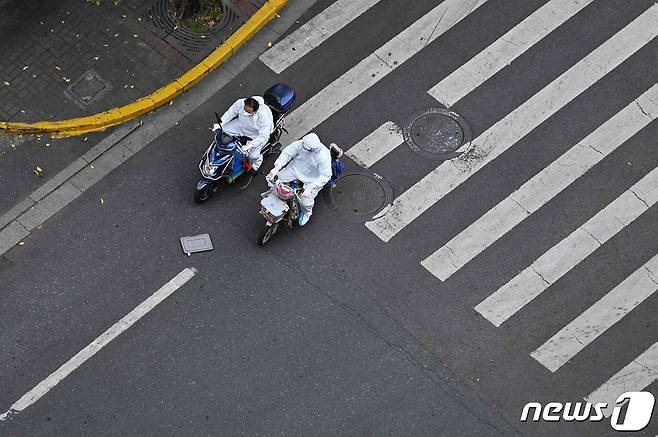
column 66, row 79
column 7, row 83
column 21, row 243
column 102, row 201
column 57, row 68
column 26, row 67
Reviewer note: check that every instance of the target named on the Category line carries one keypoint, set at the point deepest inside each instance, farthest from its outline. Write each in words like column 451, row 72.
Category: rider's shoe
column 303, row 218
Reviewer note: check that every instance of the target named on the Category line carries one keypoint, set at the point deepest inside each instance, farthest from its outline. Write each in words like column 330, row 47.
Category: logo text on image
column 631, row 412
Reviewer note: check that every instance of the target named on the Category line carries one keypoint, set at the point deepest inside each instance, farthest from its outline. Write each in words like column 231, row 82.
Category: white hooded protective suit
column 258, row 126
column 309, row 161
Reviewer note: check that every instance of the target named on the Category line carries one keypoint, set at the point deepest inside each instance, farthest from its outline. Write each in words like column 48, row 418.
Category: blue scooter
column 229, row 161
column 221, row 161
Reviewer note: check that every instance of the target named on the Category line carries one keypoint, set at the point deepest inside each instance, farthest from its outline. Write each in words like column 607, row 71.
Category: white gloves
column 308, row 189
column 215, row 127
column 272, row 174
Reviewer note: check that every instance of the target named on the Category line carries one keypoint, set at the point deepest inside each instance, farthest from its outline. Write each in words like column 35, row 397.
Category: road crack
column 540, row 275
column 639, row 198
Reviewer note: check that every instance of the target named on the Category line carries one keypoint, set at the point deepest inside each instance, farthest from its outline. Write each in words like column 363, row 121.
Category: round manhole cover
column 359, row 196
column 436, row 132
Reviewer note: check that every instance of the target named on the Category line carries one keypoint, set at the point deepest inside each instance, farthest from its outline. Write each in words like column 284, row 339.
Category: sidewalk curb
column 162, row 96
column 131, row 137
column 35, row 209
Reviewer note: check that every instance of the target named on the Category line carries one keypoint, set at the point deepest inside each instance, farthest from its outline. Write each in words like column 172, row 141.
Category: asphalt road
column 328, row 329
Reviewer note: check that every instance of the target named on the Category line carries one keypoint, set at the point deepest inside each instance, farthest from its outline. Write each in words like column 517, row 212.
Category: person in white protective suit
column 252, row 118
column 306, row 160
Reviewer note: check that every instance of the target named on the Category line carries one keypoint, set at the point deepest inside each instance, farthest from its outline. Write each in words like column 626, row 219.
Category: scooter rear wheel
column 267, row 233
column 201, row 196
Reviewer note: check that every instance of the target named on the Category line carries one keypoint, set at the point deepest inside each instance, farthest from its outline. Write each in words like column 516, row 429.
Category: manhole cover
column 359, row 196
column 87, row 88
column 436, row 132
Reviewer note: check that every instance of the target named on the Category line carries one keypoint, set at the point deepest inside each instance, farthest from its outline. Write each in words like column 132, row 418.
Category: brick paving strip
column 115, row 116
column 125, row 141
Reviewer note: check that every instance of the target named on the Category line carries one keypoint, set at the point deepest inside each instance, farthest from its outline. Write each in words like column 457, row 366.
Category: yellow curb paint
column 115, row 116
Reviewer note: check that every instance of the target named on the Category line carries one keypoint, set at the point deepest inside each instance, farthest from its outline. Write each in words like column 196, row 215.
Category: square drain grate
column 87, row 88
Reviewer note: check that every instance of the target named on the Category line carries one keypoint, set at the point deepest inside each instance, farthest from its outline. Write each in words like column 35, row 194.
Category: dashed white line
column 89, row 351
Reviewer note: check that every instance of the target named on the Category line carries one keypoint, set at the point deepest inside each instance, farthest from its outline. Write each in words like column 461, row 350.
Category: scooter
column 281, row 202
column 228, row 162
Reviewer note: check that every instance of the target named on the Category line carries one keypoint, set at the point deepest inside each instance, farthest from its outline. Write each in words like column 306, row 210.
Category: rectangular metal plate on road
column 196, row 243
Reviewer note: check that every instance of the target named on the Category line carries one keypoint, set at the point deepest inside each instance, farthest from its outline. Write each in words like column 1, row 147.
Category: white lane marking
column 636, row 376
column 504, row 50
column 313, row 33
column 607, row 311
column 377, row 65
column 376, row 145
column 505, row 133
column 565, row 255
column 543, row 187
column 90, row 350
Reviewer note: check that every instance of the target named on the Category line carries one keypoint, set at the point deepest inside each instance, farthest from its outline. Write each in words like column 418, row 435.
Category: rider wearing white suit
column 250, row 117
column 306, row 160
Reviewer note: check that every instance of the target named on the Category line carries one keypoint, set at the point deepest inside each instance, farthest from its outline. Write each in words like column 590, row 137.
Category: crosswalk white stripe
column 377, row 65
column 607, row 311
column 565, row 255
column 504, row 50
column 636, row 376
column 313, row 33
column 376, row 145
column 502, row 135
column 543, row 187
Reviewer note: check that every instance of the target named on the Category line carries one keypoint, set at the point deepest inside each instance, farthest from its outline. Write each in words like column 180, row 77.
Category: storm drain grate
column 87, row 88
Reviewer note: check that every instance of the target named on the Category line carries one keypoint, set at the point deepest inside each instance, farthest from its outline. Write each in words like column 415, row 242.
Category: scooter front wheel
column 202, row 195
column 267, row 233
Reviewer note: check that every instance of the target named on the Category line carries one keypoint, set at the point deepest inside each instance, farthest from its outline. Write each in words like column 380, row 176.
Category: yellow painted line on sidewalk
column 114, row 116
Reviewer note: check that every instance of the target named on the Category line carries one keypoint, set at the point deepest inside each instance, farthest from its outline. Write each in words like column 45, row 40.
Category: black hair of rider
column 252, row 103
